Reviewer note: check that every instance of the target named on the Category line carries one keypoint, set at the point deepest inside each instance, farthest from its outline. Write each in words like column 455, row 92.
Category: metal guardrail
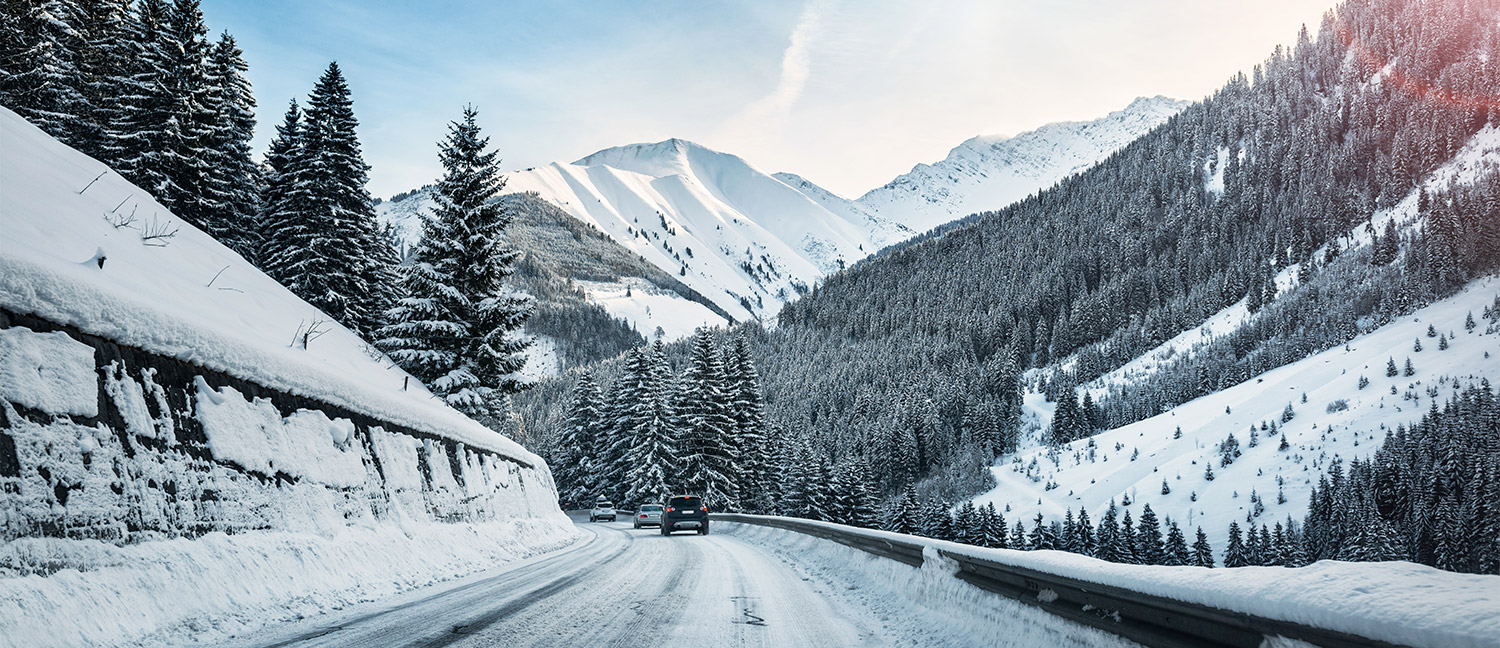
column 1144, row 618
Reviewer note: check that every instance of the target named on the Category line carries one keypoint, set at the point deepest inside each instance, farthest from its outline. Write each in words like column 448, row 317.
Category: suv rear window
column 687, row 502
column 604, row 505
column 651, row 507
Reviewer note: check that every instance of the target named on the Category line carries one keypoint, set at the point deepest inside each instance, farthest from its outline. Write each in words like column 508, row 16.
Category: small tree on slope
column 456, row 328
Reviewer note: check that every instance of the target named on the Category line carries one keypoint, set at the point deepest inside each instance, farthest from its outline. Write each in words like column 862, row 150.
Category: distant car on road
column 648, row 515
column 685, row 512
column 602, row 511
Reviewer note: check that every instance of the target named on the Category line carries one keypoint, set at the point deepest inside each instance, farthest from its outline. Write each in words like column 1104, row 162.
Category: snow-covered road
column 626, row 587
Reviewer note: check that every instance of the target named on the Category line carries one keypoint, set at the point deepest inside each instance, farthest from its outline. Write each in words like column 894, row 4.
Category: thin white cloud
column 796, row 67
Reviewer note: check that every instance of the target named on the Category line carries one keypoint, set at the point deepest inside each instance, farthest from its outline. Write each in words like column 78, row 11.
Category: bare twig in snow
column 120, row 221
column 122, row 203
column 158, row 233
column 91, row 182
column 216, row 276
column 309, row 331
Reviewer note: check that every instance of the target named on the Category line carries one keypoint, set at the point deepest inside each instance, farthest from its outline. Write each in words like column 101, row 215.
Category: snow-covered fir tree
column 321, row 239
column 457, row 328
column 573, row 466
column 710, row 456
column 651, row 459
column 231, row 188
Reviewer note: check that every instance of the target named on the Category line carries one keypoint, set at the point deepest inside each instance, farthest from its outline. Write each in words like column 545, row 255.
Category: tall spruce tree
column 710, row 457
column 747, row 406
column 40, row 77
column 575, row 465
column 1203, row 553
column 651, row 459
column 456, row 329
column 322, row 241
column 231, row 188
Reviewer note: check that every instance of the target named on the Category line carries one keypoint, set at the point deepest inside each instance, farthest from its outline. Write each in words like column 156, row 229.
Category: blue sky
column 848, row 93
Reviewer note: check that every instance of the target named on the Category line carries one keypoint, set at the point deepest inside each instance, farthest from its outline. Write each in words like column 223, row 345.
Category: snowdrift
column 177, row 464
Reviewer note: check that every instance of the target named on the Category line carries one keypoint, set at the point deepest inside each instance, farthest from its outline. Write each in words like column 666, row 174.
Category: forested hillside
column 913, row 359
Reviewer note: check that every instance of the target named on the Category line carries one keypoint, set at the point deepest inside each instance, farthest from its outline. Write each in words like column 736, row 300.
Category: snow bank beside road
column 1396, row 602
column 176, row 592
column 955, row 613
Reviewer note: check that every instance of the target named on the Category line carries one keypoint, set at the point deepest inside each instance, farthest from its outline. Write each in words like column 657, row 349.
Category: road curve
column 617, row 587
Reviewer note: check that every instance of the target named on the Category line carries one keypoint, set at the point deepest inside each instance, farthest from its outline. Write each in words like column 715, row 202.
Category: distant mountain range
column 748, row 241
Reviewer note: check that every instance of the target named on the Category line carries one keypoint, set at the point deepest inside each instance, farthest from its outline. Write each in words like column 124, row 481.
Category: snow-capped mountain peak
column 990, row 171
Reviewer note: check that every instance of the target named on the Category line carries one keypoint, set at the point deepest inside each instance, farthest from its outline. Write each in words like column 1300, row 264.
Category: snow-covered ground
column 1396, row 602
column 78, row 251
column 637, row 301
column 739, row 586
column 1338, row 421
column 989, row 172
column 202, row 591
column 197, row 491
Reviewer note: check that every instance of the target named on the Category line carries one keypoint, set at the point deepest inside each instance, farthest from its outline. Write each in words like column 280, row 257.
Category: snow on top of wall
column 48, row 371
column 186, row 296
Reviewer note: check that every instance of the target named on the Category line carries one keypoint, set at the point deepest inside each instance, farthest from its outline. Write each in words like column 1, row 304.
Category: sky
column 846, row 93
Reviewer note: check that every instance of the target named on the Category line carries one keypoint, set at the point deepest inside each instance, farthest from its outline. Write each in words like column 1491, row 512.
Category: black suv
column 685, row 512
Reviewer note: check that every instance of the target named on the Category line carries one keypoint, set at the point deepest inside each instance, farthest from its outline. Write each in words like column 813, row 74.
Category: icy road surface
column 626, row 587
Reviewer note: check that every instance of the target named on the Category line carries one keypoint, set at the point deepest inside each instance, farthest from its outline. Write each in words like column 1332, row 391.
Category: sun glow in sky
column 847, row 93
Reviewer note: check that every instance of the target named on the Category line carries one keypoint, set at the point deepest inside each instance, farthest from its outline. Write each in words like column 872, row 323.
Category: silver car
column 602, row 511
column 648, row 515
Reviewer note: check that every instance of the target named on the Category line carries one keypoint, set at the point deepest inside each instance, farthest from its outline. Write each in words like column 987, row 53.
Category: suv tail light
column 705, row 509
column 670, row 509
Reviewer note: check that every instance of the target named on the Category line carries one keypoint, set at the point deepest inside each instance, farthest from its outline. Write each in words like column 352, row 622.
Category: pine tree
column 651, row 459
column 576, row 466
column 748, row 410
column 1176, row 549
column 1203, row 554
column 231, row 177
column 1408, row 370
column 905, row 516
column 709, row 458
column 1390, row 368
column 322, row 241
column 1149, row 550
column 1107, row 544
column 1236, row 554
column 1125, row 541
column 1066, row 419
column 1085, row 532
column 39, row 74
column 456, row 330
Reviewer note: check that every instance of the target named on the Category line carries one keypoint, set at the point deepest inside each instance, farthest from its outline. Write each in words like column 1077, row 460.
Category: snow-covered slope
column 178, row 465
column 77, row 249
column 1321, row 432
column 1337, row 421
column 989, row 172
column 592, row 265
column 741, row 237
